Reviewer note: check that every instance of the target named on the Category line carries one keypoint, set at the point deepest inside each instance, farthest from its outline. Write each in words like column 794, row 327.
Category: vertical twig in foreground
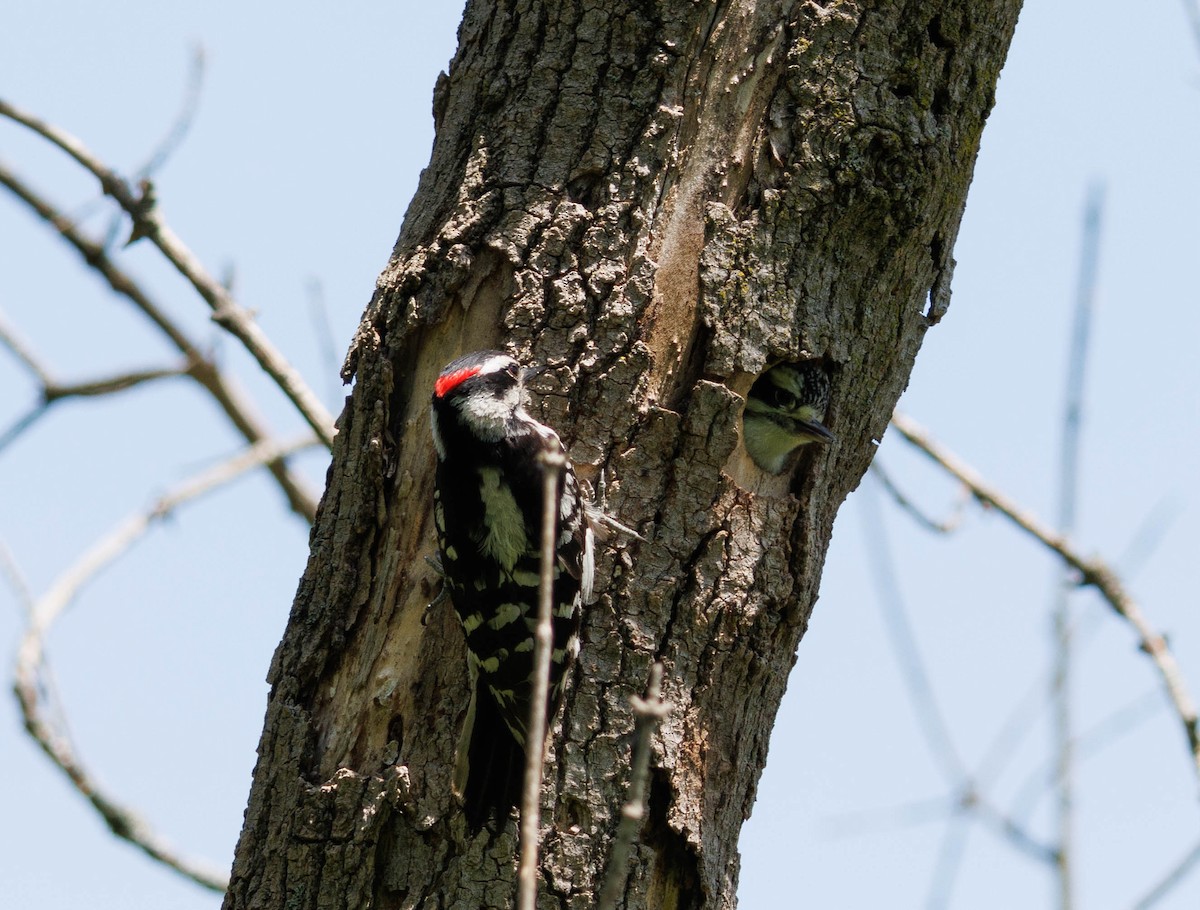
column 535, row 740
column 648, row 711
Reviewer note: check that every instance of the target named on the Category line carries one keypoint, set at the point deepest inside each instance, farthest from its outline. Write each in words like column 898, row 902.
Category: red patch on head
column 449, row 381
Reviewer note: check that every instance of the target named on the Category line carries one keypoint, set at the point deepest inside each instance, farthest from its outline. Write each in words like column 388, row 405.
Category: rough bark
column 656, row 201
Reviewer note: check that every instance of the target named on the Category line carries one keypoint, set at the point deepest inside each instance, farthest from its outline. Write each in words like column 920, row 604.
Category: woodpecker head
column 483, row 393
column 784, row 411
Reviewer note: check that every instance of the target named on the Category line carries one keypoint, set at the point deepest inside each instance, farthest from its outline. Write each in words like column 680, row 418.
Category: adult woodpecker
column 784, row 411
column 488, row 514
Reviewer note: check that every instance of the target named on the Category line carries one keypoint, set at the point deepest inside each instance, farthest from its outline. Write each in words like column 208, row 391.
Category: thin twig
column 966, row 799
column 908, row 656
column 31, row 669
column 945, row 526
column 1167, row 884
column 23, row 351
column 1192, row 9
column 21, row 424
column 1149, row 534
column 16, row 579
column 1068, row 492
column 52, row 390
column 1092, row 571
column 227, row 313
column 184, row 118
column 1009, row 829
column 648, row 711
column 203, row 370
column 949, row 862
column 1012, row 733
column 933, row 725
column 1092, row 741
column 318, row 312
column 172, row 139
column 109, row 385
column 55, row 392
column 888, row 818
column 553, row 463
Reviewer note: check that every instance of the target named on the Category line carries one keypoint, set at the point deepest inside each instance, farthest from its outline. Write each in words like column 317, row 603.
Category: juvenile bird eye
column 784, row 399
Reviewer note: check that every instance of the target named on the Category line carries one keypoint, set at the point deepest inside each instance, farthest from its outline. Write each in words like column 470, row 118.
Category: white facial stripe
column 497, row 363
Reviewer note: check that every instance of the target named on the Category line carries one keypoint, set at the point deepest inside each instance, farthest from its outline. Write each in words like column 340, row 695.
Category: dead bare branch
column 30, row 676
column 202, row 369
column 1092, row 571
column 53, row 390
column 109, row 385
column 226, row 312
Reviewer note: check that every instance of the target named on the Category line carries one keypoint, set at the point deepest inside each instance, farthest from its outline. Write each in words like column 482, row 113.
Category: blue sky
column 312, row 129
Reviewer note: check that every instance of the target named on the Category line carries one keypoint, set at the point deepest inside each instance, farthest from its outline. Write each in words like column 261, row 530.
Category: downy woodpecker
column 488, row 515
column 784, row 411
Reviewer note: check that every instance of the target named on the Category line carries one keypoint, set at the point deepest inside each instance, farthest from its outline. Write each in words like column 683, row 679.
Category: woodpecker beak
column 529, row 373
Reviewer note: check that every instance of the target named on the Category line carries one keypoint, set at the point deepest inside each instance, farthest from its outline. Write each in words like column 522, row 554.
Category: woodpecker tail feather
column 495, row 768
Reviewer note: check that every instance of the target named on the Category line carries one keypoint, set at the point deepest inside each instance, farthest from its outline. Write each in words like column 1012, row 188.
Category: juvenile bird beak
column 816, row 430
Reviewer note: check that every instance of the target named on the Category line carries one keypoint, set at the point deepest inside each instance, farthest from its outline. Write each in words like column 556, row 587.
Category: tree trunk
column 657, row 202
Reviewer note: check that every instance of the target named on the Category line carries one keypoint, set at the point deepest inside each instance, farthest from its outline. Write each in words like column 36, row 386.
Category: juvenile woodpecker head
column 483, row 393
column 784, row 411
